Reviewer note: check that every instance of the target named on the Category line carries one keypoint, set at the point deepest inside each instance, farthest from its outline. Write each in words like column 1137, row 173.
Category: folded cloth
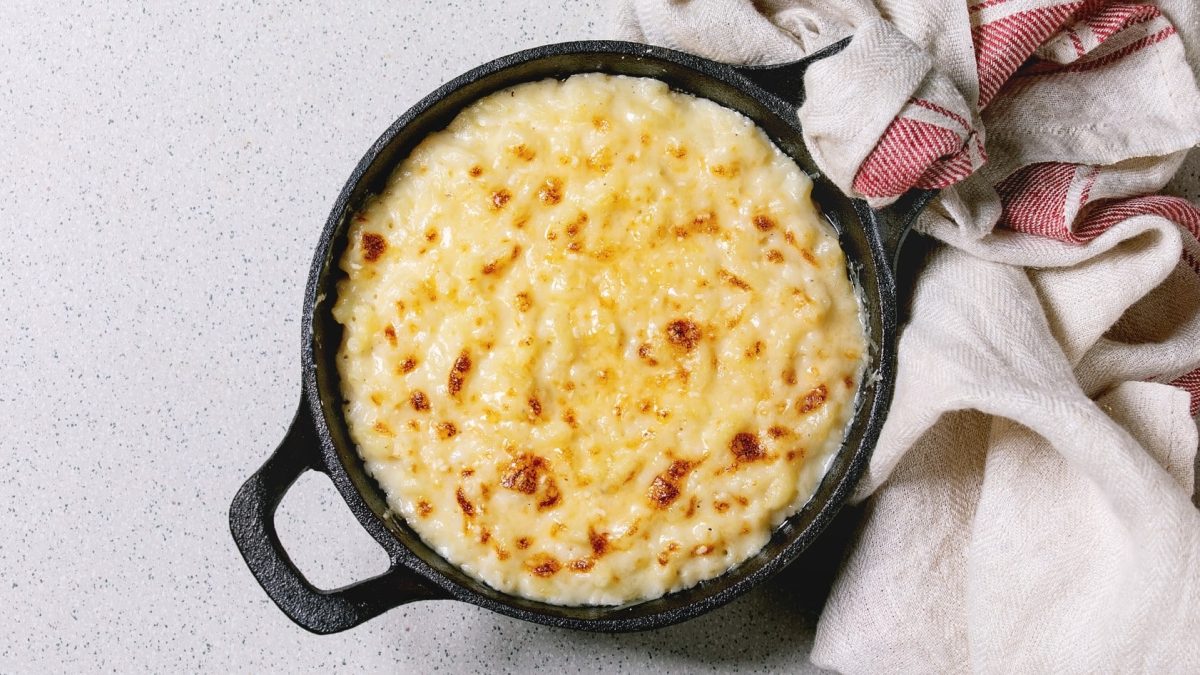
column 1030, row 502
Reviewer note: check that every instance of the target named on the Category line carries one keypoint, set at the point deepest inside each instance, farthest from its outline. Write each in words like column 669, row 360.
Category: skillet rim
column 320, row 288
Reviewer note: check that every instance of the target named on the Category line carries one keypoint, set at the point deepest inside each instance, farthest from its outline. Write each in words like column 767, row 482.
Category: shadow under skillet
column 771, row 628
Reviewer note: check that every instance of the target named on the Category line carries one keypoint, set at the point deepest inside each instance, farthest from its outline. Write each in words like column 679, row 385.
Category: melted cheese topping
column 598, row 341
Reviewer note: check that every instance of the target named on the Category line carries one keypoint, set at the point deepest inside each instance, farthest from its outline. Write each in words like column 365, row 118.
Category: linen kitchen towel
column 1030, row 503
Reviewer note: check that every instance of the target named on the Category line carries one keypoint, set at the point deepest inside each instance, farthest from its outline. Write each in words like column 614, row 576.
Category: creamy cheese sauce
column 598, row 341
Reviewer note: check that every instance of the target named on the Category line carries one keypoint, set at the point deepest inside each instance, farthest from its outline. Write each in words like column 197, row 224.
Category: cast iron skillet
column 318, row 439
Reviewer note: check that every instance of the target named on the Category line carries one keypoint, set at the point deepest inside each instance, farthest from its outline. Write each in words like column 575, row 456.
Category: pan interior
column 683, row 73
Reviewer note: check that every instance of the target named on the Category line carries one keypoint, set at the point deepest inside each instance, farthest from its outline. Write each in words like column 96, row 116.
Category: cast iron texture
column 319, row 440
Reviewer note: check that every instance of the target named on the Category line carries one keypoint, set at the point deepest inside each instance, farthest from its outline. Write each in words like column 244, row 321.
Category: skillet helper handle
column 252, row 522
column 895, row 221
column 786, row 80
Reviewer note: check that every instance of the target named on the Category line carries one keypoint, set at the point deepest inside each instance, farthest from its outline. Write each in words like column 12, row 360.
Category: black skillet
column 318, row 439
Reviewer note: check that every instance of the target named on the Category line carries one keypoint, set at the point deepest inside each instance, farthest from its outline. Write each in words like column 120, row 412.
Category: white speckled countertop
column 165, row 175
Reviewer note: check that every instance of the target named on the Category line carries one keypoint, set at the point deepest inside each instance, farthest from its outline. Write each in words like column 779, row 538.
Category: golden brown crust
column 465, row 504
column 814, row 399
column 745, row 447
column 373, row 246
column 683, row 333
column 764, row 222
column 458, row 373
column 419, row 401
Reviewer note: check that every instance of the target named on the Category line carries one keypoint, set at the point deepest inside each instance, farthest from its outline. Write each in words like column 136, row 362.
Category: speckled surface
column 165, row 173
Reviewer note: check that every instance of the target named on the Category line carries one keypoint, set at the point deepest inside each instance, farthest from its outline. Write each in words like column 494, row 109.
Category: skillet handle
column 786, row 80
column 895, row 221
column 252, row 522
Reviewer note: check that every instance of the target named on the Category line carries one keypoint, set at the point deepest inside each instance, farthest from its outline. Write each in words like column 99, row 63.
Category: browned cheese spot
column 665, row 556
column 693, row 503
column 789, row 375
column 662, row 492
column 807, row 255
column 570, row 419
column 764, row 222
column 574, row 226
column 731, row 278
column 390, row 334
column 523, row 152
column 458, row 373
column 664, row 489
column 721, row 506
column 467, row 473
column 600, row 123
column 705, row 223
column 645, row 353
column 745, row 447
column 465, row 504
column 600, row 161
column 523, row 302
column 485, row 535
column 553, row 496
column 446, row 430
column 550, row 193
column 377, row 398
column 502, row 554
column 645, row 139
column 373, row 246
column 726, row 170
column 683, row 333
column 741, row 500
column 677, row 151
column 848, row 381
column 582, row 565
column 475, row 171
column 431, row 235
column 535, row 408
column 524, row 543
column 523, row 472
column 544, row 565
column 383, row 429
column 408, row 365
column 777, row 432
column 500, row 198
column 755, row 350
column 814, row 399
column 599, row 542
column 423, row 508
column 775, row 256
column 419, row 401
